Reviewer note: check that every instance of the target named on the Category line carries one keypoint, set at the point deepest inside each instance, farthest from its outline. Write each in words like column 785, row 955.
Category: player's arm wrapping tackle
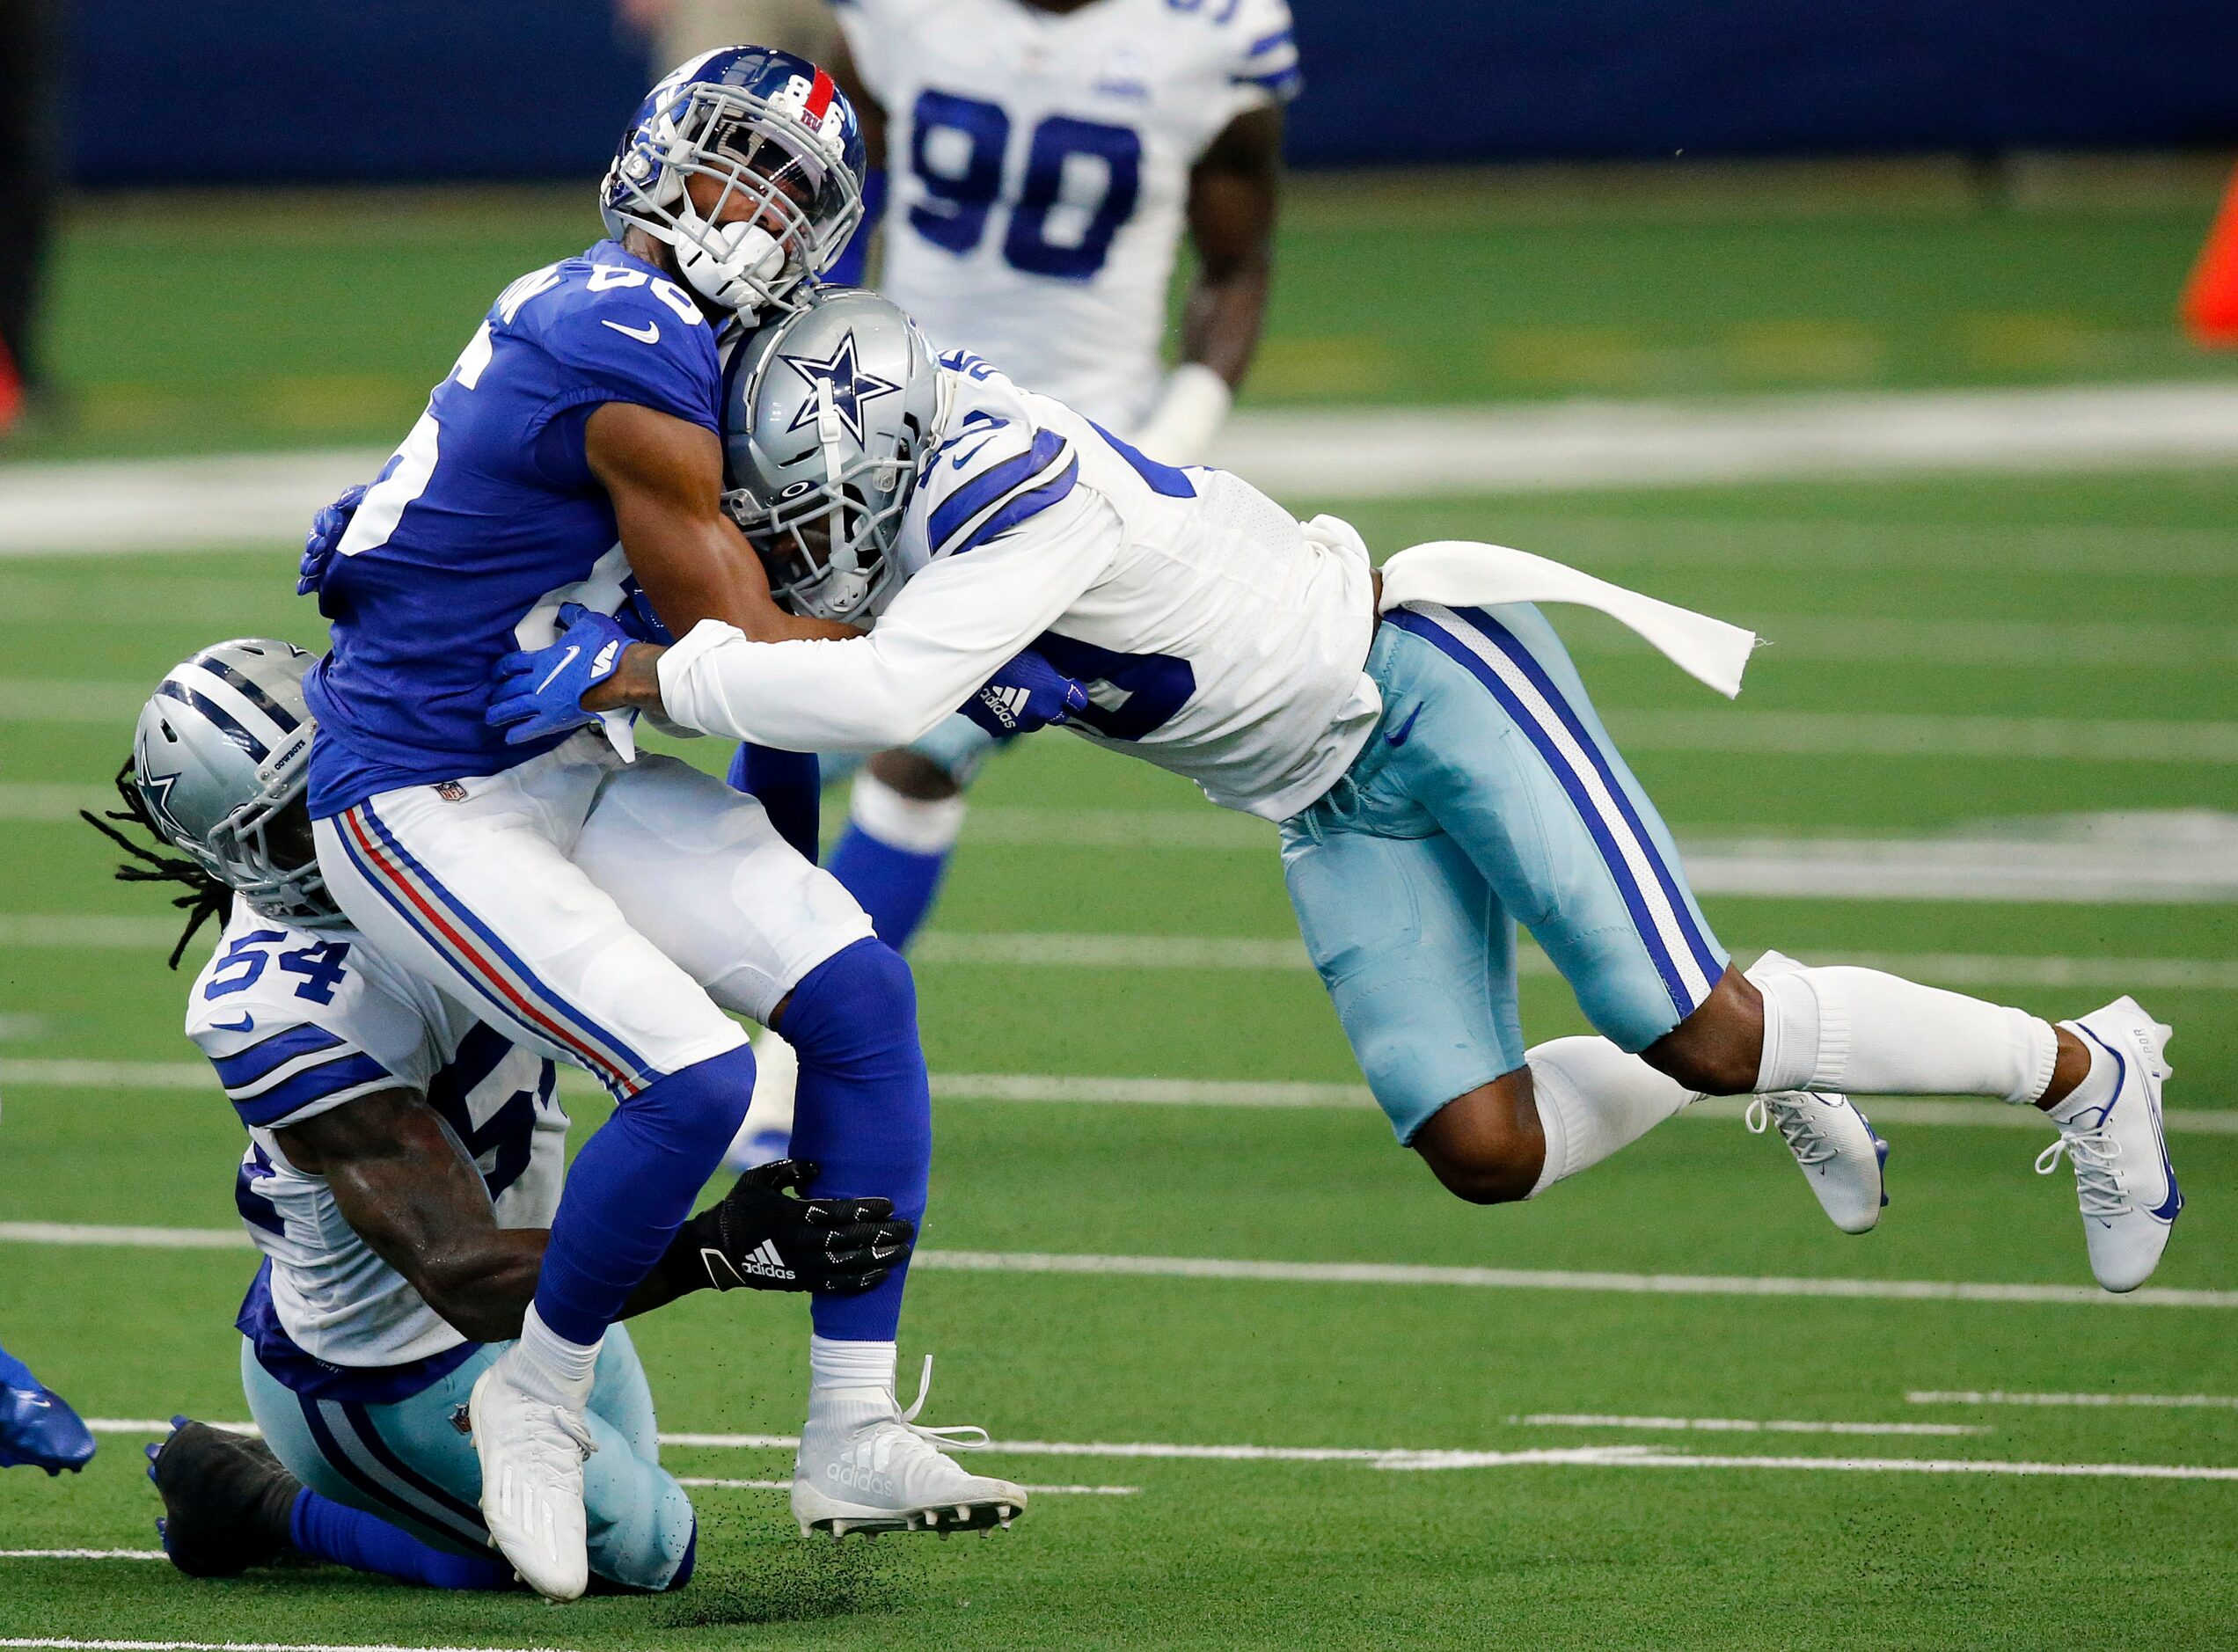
column 401, row 1183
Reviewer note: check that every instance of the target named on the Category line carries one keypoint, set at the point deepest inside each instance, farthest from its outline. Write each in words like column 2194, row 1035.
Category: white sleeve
column 949, row 628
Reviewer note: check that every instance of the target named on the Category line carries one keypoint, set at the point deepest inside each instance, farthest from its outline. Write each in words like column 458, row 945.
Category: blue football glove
column 1027, row 694
column 326, row 530
column 538, row 692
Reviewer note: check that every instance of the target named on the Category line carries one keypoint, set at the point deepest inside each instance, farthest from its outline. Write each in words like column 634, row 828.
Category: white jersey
column 298, row 1022
column 1037, row 170
column 1217, row 637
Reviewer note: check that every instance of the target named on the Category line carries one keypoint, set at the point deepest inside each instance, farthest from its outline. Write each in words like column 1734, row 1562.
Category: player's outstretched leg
column 904, row 814
column 2098, row 1079
column 864, row 1114
column 37, row 1428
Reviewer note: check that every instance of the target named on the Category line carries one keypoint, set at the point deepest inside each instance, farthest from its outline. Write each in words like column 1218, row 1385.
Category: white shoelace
column 1790, row 1110
column 2096, row 1156
column 953, row 1437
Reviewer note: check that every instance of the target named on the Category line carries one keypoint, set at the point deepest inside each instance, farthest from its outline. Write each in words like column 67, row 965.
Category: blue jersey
column 486, row 515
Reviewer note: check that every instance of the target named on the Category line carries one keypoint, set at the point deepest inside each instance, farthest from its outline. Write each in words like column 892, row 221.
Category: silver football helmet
column 825, row 416
column 220, row 760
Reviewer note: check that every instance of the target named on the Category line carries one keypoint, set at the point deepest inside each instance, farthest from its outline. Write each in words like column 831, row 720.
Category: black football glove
column 762, row 1238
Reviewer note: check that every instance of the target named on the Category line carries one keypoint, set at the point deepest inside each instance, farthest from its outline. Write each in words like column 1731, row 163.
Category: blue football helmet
column 781, row 146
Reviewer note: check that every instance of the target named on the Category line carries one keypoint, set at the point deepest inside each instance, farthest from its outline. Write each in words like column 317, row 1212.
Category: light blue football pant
column 1487, row 796
column 410, row 1464
column 958, row 747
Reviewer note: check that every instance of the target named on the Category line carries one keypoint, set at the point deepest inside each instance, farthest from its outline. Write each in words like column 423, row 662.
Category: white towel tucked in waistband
column 1467, row 573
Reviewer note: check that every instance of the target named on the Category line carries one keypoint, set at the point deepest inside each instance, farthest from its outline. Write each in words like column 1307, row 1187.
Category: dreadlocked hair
column 206, row 894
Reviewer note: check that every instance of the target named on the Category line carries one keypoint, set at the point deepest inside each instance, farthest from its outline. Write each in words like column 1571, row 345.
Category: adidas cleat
column 532, row 1453
column 2124, row 1180
column 227, row 1501
column 38, row 1430
column 866, row 1466
column 1836, row 1150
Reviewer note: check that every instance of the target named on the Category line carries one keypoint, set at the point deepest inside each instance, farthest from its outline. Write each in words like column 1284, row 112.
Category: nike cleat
column 2118, row 1147
column 227, row 1501
column 866, row 1466
column 532, row 1453
column 38, row 1430
column 1836, row 1150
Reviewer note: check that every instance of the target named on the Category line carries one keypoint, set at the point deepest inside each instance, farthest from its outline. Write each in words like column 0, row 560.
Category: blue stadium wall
column 161, row 92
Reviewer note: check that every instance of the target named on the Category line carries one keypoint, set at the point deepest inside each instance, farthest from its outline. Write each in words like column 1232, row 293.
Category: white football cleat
column 765, row 1134
column 866, row 1466
column 532, row 1453
column 2124, row 1179
column 1839, row 1153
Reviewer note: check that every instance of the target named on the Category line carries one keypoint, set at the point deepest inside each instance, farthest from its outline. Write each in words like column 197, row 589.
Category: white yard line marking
column 1604, row 542
column 1734, row 1425
column 152, row 1425
column 1330, row 1273
column 1552, row 1279
column 1071, row 1089
column 787, row 1485
column 2000, row 1397
column 95, row 507
column 66, row 1644
column 25, row 802
column 83, row 1554
column 46, row 700
column 1644, row 1457
column 1924, row 734
column 2044, row 645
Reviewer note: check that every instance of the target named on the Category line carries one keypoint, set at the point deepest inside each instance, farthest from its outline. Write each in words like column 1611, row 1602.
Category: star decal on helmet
column 155, row 791
column 851, row 386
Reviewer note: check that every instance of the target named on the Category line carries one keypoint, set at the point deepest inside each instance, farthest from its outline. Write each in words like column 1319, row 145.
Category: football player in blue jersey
column 37, row 1428
column 402, row 1169
column 574, row 454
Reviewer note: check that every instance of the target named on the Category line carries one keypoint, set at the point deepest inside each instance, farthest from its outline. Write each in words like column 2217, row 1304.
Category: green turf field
column 1103, row 925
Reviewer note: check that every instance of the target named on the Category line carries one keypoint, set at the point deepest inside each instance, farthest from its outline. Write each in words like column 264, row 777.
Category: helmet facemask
column 828, row 550
column 784, row 206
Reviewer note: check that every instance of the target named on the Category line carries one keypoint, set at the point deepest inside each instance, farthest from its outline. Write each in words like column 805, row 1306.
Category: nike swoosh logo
column 246, row 1024
column 566, row 660
column 650, row 333
column 1405, row 729
column 962, row 459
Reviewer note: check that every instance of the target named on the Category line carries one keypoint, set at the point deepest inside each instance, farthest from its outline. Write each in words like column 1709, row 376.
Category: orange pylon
column 2210, row 307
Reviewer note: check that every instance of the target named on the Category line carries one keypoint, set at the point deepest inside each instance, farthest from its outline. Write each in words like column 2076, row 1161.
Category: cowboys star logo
column 155, row 791
column 851, row 386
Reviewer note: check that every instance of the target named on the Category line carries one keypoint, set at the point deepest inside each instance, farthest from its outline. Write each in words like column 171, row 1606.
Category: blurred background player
column 1043, row 159
column 37, row 1428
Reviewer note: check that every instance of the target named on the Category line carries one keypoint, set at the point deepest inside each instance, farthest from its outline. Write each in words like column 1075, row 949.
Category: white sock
column 899, row 822
column 2095, row 1090
column 833, row 1363
column 551, row 1366
column 1592, row 1099
column 1864, row 1033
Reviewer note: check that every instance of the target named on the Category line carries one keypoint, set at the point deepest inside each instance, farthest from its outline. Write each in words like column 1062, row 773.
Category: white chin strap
column 731, row 264
column 844, row 583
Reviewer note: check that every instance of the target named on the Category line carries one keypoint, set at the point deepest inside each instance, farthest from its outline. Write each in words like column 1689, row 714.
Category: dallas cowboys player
column 1437, row 769
column 403, row 1163
column 517, row 880
column 1046, row 157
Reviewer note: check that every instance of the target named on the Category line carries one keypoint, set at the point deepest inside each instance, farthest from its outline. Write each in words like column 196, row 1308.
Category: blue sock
column 864, row 1110
column 631, row 1188
column 330, row 1531
column 896, row 887
column 14, row 1373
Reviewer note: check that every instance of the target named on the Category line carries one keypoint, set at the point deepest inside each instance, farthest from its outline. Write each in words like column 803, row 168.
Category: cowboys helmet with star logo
column 824, row 415
column 221, row 759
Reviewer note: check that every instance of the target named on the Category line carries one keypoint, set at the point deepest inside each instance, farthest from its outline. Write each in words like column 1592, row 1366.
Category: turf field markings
column 1735, row 1425
column 1074, row 1090
column 787, row 1485
column 1647, row 1457
column 2000, row 1396
column 68, row 1645
column 81, row 1554
column 1924, row 734
column 1066, row 1089
column 1330, row 1273
column 2041, row 644
column 150, row 1425
column 26, row 802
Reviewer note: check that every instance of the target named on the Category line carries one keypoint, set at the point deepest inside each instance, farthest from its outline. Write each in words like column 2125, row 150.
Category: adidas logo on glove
column 763, row 1261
